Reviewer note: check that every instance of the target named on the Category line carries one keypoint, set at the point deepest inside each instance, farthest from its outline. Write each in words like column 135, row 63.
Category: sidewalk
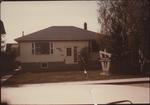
column 112, row 81
column 6, row 77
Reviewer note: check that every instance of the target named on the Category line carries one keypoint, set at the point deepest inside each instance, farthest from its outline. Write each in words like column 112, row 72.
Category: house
column 54, row 48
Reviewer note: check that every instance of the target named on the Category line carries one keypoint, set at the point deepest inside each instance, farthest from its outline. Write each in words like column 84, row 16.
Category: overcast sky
column 36, row 15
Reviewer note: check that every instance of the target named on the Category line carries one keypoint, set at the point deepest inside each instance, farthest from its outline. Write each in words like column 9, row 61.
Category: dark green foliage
column 2, row 29
column 85, row 54
column 126, row 23
column 7, row 63
column 95, row 46
column 105, row 43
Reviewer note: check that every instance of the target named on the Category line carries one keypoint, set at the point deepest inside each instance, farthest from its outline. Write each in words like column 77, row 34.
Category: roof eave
column 50, row 40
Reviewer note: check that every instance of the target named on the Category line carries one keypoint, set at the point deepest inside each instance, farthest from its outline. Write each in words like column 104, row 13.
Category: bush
column 7, row 63
column 85, row 54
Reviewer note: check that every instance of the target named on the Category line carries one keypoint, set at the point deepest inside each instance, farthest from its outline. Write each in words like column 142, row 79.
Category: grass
column 63, row 76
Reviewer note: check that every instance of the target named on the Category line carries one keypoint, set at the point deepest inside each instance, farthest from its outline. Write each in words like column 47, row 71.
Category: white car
column 90, row 92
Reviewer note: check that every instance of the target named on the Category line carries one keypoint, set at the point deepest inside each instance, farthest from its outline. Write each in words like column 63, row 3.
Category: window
column 40, row 48
column 69, row 53
column 51, row 48
column 44, row 65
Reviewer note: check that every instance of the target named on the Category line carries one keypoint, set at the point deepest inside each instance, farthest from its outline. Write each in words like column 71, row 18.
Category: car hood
column 74, row 94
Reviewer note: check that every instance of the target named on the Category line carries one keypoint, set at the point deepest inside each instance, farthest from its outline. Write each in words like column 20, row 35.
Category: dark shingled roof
column 58, row 33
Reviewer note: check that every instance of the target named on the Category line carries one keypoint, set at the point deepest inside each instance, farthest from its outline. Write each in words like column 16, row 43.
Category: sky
column 36, row 15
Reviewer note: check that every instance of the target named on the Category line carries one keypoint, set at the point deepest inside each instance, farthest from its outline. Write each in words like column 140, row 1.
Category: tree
column 2, row 33
column 84, row 53
column 126, row 22
column 84, row 57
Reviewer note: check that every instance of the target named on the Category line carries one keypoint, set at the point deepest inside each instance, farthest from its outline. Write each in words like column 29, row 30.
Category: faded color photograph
column 75, row 52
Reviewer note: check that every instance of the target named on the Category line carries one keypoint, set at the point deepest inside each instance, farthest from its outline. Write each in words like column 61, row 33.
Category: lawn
column 63, row 76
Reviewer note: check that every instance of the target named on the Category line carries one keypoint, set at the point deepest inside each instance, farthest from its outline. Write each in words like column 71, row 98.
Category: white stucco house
column 55, row 47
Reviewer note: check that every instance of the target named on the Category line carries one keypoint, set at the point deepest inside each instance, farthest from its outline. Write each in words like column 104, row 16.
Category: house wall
column 56, row 61
column 26, row 55
column 60, row 66
column 52, row 66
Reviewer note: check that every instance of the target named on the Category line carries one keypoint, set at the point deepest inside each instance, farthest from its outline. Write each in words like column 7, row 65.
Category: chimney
column 22, row 33
column 85, row 26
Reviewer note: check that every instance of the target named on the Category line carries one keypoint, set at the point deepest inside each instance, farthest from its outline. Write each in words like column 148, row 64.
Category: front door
column 71, row 55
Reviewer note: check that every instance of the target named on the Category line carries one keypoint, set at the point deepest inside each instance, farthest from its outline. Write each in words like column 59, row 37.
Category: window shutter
column 33, row 48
